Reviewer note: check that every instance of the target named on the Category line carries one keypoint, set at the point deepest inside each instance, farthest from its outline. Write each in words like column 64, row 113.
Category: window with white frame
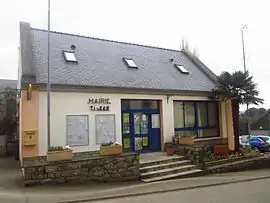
column 130, row 63
column 69, row 56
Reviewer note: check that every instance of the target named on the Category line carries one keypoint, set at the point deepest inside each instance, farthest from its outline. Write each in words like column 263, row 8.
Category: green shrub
column 245, row 150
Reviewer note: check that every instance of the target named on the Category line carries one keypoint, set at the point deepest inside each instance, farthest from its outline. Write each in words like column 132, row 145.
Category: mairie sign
column 99, row 104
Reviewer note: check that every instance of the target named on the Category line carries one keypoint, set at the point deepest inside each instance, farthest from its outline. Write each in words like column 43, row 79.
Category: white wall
column 71, row 103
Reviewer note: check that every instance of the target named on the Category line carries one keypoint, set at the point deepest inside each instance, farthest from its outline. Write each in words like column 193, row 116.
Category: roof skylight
column 69, row 56
column 182, row 69
column 130, row 63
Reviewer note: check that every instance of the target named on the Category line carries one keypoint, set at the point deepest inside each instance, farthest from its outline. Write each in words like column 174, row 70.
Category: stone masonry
column 125, row 167
column 197, row 153
column 259, row 162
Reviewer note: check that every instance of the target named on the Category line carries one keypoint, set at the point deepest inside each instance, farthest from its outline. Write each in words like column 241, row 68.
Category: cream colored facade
column 75, row 103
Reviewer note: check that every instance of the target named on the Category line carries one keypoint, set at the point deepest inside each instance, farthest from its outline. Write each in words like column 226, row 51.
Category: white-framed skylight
column 182, row 69
column 130, row 63
column 70, row 56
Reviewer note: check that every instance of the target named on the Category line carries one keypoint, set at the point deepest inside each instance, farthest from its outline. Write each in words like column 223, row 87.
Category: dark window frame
column 126, row 104
column 196, row 127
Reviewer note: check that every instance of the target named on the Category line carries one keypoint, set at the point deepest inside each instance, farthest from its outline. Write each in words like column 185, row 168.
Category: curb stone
column 163, row 191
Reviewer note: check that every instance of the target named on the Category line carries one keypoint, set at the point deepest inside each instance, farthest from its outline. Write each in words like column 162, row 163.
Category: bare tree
column 185, row 45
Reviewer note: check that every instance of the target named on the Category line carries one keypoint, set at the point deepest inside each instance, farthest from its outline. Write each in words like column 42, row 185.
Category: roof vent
column 73, row 47
column 182, row 69
column 171, row 59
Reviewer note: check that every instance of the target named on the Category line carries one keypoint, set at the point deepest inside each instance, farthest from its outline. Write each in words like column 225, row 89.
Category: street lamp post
column 49, row 81
column 243, row 47
column 245, row 69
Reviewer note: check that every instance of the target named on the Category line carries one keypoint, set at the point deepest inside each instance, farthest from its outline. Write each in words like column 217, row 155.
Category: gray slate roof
column 100, row 63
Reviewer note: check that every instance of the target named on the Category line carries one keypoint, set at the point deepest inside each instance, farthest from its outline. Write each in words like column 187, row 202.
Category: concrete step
column 161, row 161
column 173, row 175
column 167, row 171
column 164, row 166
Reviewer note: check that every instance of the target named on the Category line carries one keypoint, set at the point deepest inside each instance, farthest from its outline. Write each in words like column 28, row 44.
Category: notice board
column 105, row 128
column 77, row 130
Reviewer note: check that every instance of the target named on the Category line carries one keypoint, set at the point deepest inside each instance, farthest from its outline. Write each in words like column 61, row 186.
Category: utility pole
column 49, row 80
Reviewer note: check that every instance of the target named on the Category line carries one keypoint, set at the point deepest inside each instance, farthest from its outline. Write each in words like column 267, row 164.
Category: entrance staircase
column 158, row 166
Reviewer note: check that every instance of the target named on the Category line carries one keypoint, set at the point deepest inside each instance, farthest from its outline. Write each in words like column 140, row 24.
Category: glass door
column 127, row 137
column 141, row 131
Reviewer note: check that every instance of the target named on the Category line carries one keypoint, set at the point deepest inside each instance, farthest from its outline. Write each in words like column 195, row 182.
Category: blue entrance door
column 155, row 137
column 141, row 131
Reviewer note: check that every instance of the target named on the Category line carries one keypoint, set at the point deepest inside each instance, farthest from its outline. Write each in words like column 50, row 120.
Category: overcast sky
column 212, row 27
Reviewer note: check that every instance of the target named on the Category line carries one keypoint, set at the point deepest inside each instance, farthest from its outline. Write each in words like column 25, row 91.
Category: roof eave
column 65, row 87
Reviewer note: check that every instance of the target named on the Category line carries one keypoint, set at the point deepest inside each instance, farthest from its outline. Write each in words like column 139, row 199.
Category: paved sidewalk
column 75, row 193
column 10, row 173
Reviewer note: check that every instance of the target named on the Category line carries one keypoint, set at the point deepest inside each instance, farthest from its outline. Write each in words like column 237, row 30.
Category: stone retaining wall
column 232, row 159
column 242, row 165
column 197, row 153
column 125, row 167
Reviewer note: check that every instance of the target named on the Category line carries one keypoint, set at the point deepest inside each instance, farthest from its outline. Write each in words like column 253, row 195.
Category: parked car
column 265, row 138
column 258, row 143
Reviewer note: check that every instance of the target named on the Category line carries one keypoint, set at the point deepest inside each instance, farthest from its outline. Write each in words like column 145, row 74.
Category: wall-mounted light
column 168, row 97
column 29, row 92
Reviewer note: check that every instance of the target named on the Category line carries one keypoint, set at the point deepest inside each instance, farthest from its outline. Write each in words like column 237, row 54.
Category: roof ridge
column 107, row 40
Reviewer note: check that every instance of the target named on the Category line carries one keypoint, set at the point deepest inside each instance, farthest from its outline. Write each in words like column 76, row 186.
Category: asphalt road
column 257, row 191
